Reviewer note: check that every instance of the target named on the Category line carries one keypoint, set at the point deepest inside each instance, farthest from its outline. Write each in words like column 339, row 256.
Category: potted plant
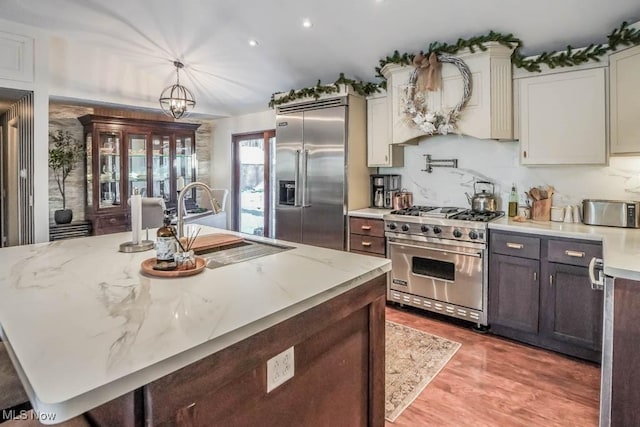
column 63, row 158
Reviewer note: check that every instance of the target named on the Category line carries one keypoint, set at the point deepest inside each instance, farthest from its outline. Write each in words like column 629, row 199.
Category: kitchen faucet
column 214, row 203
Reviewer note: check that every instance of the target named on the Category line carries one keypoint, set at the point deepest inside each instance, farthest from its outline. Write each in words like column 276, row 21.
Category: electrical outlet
column 280, row 368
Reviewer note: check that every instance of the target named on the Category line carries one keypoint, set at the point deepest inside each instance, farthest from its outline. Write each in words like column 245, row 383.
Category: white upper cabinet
column 488, row 113
column 562, row 117
column 16, row 57
column 625, row 101
column 380, row 152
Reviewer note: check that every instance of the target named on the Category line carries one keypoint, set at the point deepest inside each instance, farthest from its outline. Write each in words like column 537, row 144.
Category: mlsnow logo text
column 13, row 414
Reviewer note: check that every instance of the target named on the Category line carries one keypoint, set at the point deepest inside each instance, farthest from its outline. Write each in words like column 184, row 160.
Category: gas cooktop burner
column 414, row 210
column 430, row 211
column 470, row 215
column 448, row 212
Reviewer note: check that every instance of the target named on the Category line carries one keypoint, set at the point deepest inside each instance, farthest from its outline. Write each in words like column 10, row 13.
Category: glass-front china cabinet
column 157, row 158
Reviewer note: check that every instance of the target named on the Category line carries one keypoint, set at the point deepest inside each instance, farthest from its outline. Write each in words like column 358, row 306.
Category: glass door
column 161, row 167
column 137, row 154
column 252, row 183
column 110, row 173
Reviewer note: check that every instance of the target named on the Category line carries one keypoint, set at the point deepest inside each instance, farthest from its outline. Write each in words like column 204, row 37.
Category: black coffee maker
column 382, row 189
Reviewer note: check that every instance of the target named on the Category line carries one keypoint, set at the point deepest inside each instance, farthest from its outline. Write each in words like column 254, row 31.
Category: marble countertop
column 84, row 326
column 620, row 250
column 373, row 213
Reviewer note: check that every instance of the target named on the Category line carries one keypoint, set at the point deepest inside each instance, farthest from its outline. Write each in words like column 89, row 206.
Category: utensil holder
column 541, row 210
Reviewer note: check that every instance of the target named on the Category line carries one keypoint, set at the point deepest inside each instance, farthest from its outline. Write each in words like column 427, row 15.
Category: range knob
column 457, row 233
column 473, row 235
column 405, row 227
column 424, row 228
column 392, row 226
column 437, row 230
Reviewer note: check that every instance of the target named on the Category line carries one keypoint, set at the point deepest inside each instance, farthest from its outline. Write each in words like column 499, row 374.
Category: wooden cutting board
column 214, row 240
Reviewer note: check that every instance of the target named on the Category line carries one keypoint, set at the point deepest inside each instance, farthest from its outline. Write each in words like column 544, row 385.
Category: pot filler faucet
column 215, row 206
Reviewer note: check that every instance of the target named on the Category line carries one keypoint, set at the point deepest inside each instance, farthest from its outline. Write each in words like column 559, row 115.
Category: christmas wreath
column 415, row 102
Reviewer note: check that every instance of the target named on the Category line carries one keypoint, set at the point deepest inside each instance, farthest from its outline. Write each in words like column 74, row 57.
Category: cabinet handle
column 535, row 276
column 386, row 158
column 366, row 244
column 551, row 280
column 515, row 245
column 574, row 254
column 366, row 227
column 525, row 154
column 112, row 220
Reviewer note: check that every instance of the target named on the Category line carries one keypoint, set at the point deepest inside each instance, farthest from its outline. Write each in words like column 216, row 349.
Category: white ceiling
column 121, row 51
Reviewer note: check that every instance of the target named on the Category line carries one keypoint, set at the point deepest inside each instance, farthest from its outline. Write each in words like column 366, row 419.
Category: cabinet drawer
column 371, row 244
column 366, row 226
column 573, row 253
column 515, row 245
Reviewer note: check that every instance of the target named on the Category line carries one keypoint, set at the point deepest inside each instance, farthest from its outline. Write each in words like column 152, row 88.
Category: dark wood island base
column 339, row 349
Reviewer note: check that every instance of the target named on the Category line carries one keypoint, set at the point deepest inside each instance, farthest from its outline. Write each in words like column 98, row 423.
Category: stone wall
column 65, row 118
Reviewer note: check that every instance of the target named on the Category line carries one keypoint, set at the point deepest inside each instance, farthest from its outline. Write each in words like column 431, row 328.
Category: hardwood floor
column 493, row 381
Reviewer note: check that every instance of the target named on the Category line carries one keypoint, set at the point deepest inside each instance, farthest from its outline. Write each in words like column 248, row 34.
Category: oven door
column 442, row 272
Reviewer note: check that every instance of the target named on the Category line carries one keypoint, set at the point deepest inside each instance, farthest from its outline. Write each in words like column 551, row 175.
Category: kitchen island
column 87, row 331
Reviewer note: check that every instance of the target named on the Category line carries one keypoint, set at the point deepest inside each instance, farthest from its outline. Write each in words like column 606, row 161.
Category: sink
column 238, row 252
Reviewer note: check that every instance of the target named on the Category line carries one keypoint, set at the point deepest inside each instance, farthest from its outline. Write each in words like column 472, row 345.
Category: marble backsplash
column 498, row 162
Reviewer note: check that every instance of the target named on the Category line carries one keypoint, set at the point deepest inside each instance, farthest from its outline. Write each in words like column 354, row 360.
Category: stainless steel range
column 439, row 260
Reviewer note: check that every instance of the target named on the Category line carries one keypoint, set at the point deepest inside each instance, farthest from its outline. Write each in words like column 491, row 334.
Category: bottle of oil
column 513, row 201
column 166, row 245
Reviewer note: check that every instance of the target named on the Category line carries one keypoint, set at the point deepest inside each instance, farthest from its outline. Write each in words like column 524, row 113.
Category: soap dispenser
column 166, row 245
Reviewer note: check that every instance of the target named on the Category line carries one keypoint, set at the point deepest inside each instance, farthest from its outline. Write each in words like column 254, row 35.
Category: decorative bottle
column 166, row 245
column 513, row 201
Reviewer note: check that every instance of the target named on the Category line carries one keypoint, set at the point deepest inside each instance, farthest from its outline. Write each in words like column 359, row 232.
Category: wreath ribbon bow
column 428, row 71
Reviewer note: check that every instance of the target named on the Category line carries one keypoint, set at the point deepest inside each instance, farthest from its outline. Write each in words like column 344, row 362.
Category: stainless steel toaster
column 612, row 213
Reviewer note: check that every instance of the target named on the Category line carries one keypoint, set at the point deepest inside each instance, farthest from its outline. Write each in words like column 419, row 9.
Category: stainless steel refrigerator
column 321, row 169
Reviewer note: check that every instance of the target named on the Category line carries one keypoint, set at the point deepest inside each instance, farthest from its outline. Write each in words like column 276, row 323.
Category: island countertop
column 84, row 326
column 620, row 246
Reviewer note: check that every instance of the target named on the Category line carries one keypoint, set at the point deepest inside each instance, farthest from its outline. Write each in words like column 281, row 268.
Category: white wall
column 39, row 85
column 499, row 162
column 221, row 150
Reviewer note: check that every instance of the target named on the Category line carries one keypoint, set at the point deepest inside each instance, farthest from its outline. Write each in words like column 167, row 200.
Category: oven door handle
column 475, row 255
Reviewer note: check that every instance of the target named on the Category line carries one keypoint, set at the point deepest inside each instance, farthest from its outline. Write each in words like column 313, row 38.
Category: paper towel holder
column 142, row 245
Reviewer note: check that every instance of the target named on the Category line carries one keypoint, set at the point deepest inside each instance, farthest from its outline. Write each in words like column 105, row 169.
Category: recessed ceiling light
column 253, row 43
column 306, row 23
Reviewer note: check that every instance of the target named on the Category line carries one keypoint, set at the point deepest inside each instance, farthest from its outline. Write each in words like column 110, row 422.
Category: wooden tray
column 214, row 240
column 147, row 268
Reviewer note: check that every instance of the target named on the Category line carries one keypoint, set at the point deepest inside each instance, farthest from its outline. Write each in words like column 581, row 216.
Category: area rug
column 413, row 359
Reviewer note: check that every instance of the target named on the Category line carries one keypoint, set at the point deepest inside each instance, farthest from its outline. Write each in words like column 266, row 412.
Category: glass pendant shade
column 176, row 100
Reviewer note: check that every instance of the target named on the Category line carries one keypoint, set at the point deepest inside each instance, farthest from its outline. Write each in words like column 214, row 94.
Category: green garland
column 623, row 36
column 360, row 87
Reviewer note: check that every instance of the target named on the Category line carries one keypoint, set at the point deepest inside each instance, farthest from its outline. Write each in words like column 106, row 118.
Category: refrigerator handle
column 296, row 182
column 305, row 187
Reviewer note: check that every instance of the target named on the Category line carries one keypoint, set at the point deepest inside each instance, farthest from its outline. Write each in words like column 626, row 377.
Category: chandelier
column 176, row 100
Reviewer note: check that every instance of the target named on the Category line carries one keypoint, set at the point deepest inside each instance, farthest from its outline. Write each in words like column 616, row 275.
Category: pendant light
column 176, row 100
